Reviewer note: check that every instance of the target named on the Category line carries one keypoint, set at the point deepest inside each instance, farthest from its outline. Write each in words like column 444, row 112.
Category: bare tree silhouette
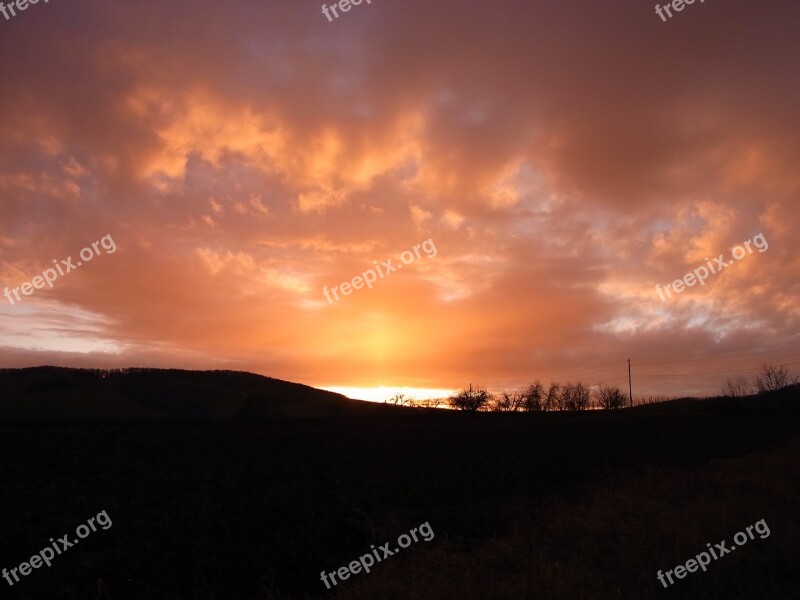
column 508, row 402
column 773, row 378
column 610, row 398
column 471, row 400
column 534, row 398
column 553, row 401
column 737, row 387
column 574, row 397
column 397, row 400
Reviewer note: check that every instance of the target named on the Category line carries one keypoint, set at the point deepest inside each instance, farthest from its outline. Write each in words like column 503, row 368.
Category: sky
column 563, row 158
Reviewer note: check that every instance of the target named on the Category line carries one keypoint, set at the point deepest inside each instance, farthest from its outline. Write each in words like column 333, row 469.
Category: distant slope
column 783, row 400
column 59, row 393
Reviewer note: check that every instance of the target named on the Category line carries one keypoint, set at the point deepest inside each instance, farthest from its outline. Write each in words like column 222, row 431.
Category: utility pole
column 630, row 385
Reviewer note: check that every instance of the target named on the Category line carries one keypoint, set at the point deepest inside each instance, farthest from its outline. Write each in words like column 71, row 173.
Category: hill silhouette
column 254, row 504
column 62, row 393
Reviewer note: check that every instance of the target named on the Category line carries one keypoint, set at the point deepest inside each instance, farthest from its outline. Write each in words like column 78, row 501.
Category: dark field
column 566, row 506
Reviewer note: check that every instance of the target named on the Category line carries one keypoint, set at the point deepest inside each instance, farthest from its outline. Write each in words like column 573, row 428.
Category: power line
column 585, row 372
column 718, row 356
column 713, row 372
column 749, row 349
column 606, row 369
column 735, row 363
column 611, row 381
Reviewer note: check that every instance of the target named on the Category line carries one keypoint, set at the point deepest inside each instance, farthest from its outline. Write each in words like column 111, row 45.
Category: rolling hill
column 60, row 393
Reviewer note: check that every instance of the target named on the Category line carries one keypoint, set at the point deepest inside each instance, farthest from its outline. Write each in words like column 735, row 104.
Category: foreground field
column 562, row 506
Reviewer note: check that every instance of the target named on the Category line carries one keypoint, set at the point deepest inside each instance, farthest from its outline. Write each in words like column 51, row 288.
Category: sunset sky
column 564, row 157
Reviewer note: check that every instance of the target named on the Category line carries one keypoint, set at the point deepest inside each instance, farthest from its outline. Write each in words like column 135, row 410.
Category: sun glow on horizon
column 383, row 393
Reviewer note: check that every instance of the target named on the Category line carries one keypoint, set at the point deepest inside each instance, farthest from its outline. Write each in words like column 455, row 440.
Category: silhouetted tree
column 737, row 387
column 773, row 378
column 471, row 400
column 553, row 401
column 508, row 402
column 565, row 397
column 610, row 398
column 533, row 398
column 581, row 397
column 574, row 397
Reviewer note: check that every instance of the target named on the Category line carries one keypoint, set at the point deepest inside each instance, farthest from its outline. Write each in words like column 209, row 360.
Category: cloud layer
column 564, row 157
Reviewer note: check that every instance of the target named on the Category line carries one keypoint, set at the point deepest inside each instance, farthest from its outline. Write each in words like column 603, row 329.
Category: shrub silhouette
column 471, row 400
column 508, row 402
column 610, row 398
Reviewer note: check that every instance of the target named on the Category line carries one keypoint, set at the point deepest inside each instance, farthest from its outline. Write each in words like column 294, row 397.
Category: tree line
column 769, row 379
column 537, row 398
column 574, row 397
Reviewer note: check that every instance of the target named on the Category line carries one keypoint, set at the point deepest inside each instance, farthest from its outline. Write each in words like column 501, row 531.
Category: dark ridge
column 142, row 393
